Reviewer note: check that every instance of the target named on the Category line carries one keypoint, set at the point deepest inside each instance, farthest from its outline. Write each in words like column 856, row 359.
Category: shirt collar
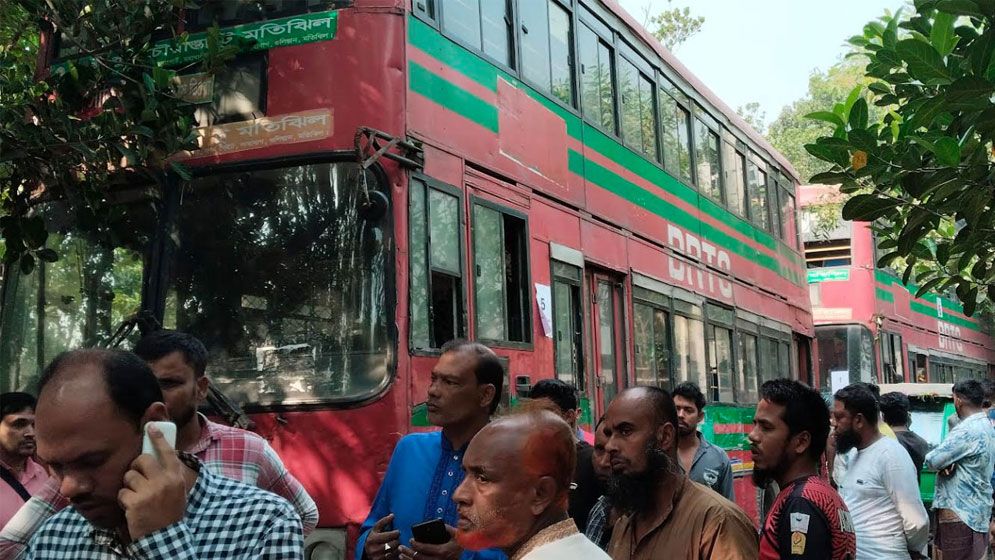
column 553, row 533
column 207, row 434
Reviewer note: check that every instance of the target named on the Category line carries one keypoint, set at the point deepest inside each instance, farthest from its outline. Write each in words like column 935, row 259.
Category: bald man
column 666, row 515
column 515, row 492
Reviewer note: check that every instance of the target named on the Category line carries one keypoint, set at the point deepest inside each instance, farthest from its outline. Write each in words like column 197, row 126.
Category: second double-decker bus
column 380, row 176
column 869, row 325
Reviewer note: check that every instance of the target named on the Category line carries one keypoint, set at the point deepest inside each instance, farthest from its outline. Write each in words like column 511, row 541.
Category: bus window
column 482, row 25
column 651, row 319
column 720, row 365
column 674, row 122
column 746, row 387
column 706, row 151
column 689, row 344
column 568, row 321
column 596, row 70
column 891, row 358
column 81, row 299
column 231, row 12
column 734, row 173
column 547, row 59
column 637, row 109
column 501, row 293
column 436, row 266
column 758, row 195
column 286, row 275
column 237, row 92
column 789, row 224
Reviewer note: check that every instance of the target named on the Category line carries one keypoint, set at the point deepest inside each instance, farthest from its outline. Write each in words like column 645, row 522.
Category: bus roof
column 700, row 87
column 920, row 389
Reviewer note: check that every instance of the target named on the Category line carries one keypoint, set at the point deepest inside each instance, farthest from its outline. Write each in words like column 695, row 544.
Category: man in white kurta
column 514, row 495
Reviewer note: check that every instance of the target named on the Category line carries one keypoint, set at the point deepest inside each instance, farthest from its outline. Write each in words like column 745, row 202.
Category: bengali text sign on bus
column 295, row 30
column 262, row 133
column 817, row 275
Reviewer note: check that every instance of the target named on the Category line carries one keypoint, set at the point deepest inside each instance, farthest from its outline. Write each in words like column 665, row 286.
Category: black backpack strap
column 12, row 481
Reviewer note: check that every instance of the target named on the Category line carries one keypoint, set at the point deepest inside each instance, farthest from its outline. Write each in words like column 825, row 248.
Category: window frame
column 529, row 328
column 700, row 115
column 643, row 69
column 260, row 57
column 580, row 382
column 668, row 309
column 329, row 5
column 437, row 21
column 730, row 325
column 586, row 17
column 746, row 327
column 432, row 183
column 690, row 316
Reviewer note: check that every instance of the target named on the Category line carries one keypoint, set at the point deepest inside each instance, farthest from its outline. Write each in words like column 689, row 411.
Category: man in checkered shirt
column 92, row 405
column 179, row 361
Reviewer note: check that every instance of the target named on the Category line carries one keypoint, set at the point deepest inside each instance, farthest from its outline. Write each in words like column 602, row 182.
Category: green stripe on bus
column 888, row 279
column 452, row 97
column 929, row 311
column 456, row 57
column 884, row 294
column 731, row 442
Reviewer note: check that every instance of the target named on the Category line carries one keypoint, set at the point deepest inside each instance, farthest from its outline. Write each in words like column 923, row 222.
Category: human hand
column 382, row 544
column 154, row 495
column 423, row 551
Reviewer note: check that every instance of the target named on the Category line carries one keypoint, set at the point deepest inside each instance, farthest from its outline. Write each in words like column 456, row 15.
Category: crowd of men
column 523, row 485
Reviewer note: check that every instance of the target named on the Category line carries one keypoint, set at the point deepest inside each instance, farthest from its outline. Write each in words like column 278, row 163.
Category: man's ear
column 156, row 412
column 203, row 384
column 545, row 495
column 666, row 436
column 487, row 394
column 800, row 442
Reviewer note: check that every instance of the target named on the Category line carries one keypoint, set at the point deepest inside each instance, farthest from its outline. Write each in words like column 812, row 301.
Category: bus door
column 607, row 372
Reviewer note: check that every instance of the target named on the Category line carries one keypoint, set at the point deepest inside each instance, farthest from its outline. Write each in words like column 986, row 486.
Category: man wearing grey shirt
column 703, row 462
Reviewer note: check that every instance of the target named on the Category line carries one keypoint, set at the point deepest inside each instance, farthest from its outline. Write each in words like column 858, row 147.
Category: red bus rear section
column 869, row 325
column 377, row 179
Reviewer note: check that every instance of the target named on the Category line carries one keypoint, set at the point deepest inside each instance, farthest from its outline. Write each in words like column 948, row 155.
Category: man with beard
column 93, row 406
column 666, row 515
column 703, row 462
column 426, row 468
column 179, row 362
column 964, row 461
column 895, row 413
column 879, row 486
column 21, row 475
column 514, row 495
column 603, row 516
column 808, row 519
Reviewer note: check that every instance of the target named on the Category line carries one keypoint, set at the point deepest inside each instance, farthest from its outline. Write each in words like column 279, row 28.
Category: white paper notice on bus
column 544, row 299
column 838, row 379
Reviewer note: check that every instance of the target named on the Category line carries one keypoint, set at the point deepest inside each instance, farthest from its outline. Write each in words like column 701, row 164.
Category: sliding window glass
column 596, row 71
column 734, row 178
column 485, row 25
column 689, row 344
column 891, row 358
column 436, row 265
column 757, row 187
column 674, row 122
column 635, row 90
column 721, row 367
column 748, row 361
column 501, row 293
column 568, row 324
column 788, row 212
column 706, row 150
column 652, row 338
column 547, row 57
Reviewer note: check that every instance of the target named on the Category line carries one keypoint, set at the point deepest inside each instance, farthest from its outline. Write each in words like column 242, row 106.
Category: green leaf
column 886, row 260
column 48, row 255
column 851, row 99
column 826, row 116
column 27, row 263
column 947, row 151
column 942, row 36
column 924, row 62
column 858, row 114
column 827, row 178
column 868, row 207
column 928, row 286
column 830, row 154
column 181, row 170
column 34, row 232
column 959, row 7
column 968, row 94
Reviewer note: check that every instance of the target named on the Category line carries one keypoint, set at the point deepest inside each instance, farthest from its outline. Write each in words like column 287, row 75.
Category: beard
column 845, row 441
column 762, row 477
column 684, row 430
column 636, row 492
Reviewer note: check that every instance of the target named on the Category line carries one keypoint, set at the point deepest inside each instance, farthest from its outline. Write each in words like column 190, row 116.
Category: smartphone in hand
column 431, row 532
column 168, row 430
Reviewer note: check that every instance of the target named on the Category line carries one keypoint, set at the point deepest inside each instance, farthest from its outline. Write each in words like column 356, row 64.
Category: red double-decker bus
column 869, row 325
column 380, row 176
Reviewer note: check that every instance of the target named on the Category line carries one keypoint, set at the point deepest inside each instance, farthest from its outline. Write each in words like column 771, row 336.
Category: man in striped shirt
column 179, row 361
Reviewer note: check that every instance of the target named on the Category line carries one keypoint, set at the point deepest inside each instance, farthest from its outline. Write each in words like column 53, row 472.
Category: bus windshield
column 80, row 299
column 284, row 275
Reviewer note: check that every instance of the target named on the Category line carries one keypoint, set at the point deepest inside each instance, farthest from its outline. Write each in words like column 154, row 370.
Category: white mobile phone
column 168, row 430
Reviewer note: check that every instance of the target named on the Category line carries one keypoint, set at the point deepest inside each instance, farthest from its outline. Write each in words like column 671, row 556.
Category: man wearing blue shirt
column 964, row 462
column 426, row 468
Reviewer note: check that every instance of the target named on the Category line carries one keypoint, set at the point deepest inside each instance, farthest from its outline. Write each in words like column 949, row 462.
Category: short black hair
column 872, row 387
column 130, row 382
column 487, row 369
column 804, row 410
column 14, row 402
column 971, row 391
column 989, row 386
column 159, row 344
column 563, row 395
column 895, row 408
column 691, row 392
column 858, row 399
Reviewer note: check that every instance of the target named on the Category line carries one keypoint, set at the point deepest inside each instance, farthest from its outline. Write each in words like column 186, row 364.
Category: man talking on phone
column 426, row 468
column 92, row 409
